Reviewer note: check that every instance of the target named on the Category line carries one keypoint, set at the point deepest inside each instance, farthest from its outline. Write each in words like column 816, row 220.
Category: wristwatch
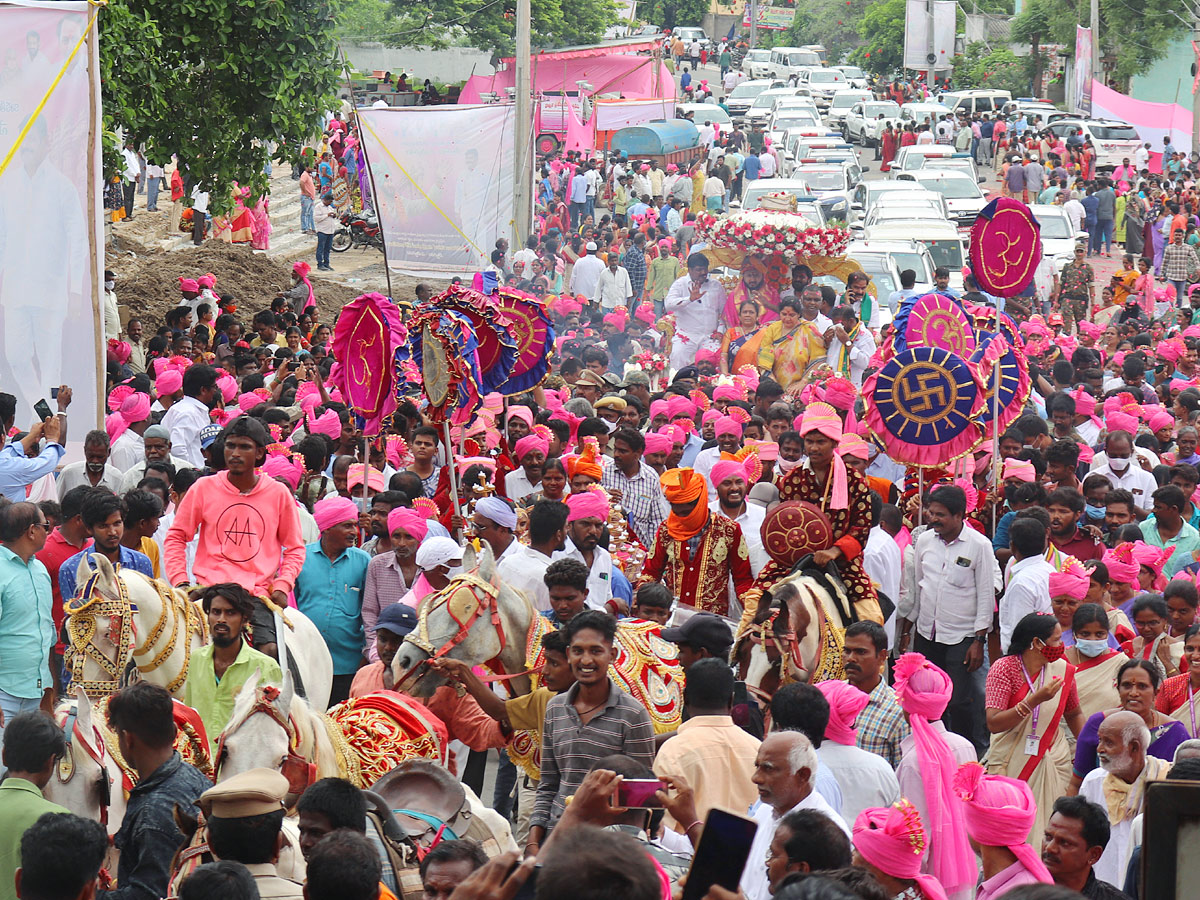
column 980, row 638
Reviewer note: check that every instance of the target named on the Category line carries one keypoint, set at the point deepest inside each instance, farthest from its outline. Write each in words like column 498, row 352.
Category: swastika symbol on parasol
column 927, row 395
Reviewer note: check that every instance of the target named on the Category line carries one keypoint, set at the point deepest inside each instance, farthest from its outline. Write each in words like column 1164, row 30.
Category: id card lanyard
column 1031, row 742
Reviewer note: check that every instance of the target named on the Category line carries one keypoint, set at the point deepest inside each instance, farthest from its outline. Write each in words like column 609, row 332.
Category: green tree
column 882, row 31
column 834, row 23
column 215, row 81
column 492, row 25
column 672, row 13
column 999, row 69
column 1033, row 23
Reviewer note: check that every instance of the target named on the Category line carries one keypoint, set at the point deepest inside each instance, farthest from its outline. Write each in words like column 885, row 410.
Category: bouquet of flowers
column 773, row 231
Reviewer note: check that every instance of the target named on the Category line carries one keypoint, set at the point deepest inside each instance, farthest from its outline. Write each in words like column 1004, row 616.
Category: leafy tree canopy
column 492, row 24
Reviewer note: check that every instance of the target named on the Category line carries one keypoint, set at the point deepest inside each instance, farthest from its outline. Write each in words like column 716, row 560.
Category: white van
column 968, row 103
column 789, row 62
column 945, row 245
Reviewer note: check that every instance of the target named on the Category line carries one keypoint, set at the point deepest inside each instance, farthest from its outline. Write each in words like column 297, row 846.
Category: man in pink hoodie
column 249, row 529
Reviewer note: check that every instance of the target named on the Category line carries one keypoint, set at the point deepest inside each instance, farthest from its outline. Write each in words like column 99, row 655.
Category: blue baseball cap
column 208, row 434
column 398, row 619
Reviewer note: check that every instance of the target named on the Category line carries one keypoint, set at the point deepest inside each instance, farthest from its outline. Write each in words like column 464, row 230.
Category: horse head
column 258, row 734
column 475, row 618
column 87, row 780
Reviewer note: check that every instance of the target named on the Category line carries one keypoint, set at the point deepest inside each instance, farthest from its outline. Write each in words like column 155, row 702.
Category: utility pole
column 1195, row 92
column 522, row 179
column 753, row 23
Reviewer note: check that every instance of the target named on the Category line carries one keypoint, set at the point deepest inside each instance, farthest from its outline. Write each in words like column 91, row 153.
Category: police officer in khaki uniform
column 245, row 816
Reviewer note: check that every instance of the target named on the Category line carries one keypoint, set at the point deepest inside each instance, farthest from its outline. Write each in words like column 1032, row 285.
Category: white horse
column 124, row 626
column 481, row 620
column 88, row 779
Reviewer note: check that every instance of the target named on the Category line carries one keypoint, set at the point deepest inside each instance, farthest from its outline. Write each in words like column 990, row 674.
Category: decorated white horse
column 482, row 621
column 88, row 779
column 126, row 627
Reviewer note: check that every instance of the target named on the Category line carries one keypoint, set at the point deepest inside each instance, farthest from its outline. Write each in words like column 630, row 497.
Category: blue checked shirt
column 641, row 498
column 881, row 725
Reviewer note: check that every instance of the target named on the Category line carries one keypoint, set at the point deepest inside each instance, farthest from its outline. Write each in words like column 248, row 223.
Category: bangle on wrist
column 693, row 825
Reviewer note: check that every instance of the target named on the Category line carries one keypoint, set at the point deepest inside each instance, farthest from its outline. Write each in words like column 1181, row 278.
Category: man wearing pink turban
column 529, row 453
column 732, row 478
column 998, row 812
column 586, row 518
column 125, row 427
column 889, row 843
column 930, row 757
column 865, row 778
column 391, row 575
column 658, row 447
column 329, row 588
column 727, row 431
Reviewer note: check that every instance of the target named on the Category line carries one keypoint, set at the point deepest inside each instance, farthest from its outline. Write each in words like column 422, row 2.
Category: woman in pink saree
column 261, row 229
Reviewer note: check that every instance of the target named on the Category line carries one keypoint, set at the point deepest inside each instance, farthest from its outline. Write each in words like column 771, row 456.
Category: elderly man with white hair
column 783, row 774
column 1119, row 786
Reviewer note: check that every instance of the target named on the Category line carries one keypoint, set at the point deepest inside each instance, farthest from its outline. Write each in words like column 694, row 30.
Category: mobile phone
column 721, row 854
column 53, row 393
column 42, row 408
column 638, row 793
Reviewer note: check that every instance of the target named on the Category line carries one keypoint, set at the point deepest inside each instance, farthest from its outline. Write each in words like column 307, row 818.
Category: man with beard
column 1119, row 786
column 391, row 575
column 94, row 470
column 732, row 481
column 382, row 504
column 156, row 445
column 103, row 514
column 727, row 431
column 218, row 670
column 587, row 516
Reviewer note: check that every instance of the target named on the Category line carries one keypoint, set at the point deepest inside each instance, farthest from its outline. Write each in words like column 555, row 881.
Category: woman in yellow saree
column 788, row 347
column 1029, row 692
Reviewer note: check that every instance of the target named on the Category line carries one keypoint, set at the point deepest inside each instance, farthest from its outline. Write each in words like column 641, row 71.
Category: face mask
column 1094, row 512
column 109, row 285
column 451, row 571
column 1091, row 649
column 1118, row 465
column 786, row 465
column 1051, row 652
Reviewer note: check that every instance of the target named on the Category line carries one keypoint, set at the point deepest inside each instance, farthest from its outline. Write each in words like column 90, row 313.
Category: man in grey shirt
column 1035, row 176
column 1106, row 214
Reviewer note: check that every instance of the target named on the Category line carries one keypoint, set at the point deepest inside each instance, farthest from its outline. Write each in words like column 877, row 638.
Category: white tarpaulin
column 443, row 176
column 945, row 24
column 613, row 114
column 917, row 23
column 51, row 234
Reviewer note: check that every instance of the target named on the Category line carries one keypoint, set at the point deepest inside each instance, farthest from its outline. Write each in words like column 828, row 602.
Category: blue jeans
column 577, row 211
column 1104, row 229
column 306, row 213
column 324, row 243
column 1093, row 230
column 152, row 194
column 1181, row 297
column 590, row 206
column 12, row 706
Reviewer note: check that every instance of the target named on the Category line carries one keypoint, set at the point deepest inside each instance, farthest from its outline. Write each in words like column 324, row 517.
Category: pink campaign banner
column 617, row 74
column 1153, row 121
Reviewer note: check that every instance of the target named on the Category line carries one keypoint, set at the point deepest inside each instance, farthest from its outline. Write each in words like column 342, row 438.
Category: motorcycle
column 358, row 230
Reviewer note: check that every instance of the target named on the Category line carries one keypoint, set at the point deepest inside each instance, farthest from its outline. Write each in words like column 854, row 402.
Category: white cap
column 591, row 246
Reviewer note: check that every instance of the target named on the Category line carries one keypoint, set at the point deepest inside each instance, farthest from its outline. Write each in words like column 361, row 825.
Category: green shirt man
column 21, row 804
column 213, row 697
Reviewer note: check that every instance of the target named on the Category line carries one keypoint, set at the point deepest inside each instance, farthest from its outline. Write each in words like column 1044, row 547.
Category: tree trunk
column 1037, row 68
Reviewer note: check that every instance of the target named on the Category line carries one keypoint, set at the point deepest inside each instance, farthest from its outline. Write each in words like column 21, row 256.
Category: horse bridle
column 419, row 637
column 94, row 749
column 299, row 772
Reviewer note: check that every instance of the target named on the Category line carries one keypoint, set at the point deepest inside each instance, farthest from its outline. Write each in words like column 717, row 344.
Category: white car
column 741, row 97
column 865, row 121
column 902, row 254
column 855, row 77
column 831, row 182
column 807, row 203
column 958, row 162
column 906, row 208
column 1113, row 140
column 841, row 103
column 867, row 194
column 757, row 63
column 919, row 112
column 1058, row 237
column 823, row 83
column 791, row 120
column 912, row 157
column 962, row 192
column 764, row 105
column 945, row 245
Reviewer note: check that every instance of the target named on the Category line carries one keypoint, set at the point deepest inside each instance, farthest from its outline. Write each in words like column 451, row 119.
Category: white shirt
column 524, row 570
column 699, row 318
column 585, row 274
column 112, row 316
column 599, row 577
column 199, row 200
column 865, row 778
column 325, row 218
column 613, row 289
column 593, row 181
column 75, row 474
column 714, row 187
column 1028, row 592
column 881, row 561
column 1134, row 479
column 127, row 450
column 754, row 883
column 1141, row 156
column 767, row 161
column 1076, row 213
column 133, row 168
column 1089, row 431
column 862, row 348
column 135, row 474
column 517, row 484
column 1112, row 864
column 949, row 592
column 751, row 519
column 731, row 80
column 925, row 137
column 184, row 420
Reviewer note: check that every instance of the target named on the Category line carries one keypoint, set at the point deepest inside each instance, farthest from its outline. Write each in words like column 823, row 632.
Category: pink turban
column 169, row 382
column 530, row 443
column 706, row 355
column 1171, row 349
column 729, row 468
column 659, row 443
column 1122, row 567
column 893, row 841
column 1021, row 469
column 1178, row 384
column 120, row 351
column 587, row 505
column 1160, row 419
column 710, row 415
column 727, row 425
column 332, row 511
column 675, row 433
column 1073, row 582
column 854, row 445
column 618, row 318
column 279, row 465
column 727, row 392
column 188, row 284
column 207, row 280
column 680, row 406
column 403, row 519
column 1121, row 421
column 923, row 691
column 1154, row 559
column 840, row 393
column 658, row 407
column 999, row 811
column 228, row 387
column 1085, row 403
column 327, row 424
column 248, row 401
column 845, row 703
column 133, row 409
column 524, row 413
column 645, row 314
column 823, row 419
column 1090, row 329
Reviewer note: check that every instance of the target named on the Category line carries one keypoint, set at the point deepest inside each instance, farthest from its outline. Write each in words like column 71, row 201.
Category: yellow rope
column 37, row 110
column 421, row 190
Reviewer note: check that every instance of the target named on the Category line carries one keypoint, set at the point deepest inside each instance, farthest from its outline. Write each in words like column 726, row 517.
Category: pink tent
column 621, row 74
column 1153, row 121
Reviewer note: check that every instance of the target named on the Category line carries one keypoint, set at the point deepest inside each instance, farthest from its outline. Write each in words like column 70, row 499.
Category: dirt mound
column 149, row 284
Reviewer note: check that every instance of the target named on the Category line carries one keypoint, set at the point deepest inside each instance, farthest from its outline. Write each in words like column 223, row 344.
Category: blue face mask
column 1094, row 512
column 1091, row 649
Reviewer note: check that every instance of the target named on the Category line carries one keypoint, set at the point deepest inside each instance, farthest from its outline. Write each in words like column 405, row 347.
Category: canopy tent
column 617, row 74
column 1153, row 121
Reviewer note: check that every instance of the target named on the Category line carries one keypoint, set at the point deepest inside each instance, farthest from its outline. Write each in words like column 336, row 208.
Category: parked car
column 841, row 103
column 1114, row 140
column 742, row 97
column 1058, row 237
column 855, row 77
column 971, row 102
column 865, row 121
column 823, row 83
column 961, row 191
column 757, row 63
column 788, row 62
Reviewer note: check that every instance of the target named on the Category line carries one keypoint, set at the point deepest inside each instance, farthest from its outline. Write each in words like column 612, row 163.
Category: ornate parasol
column 935, row 320
column 527, row 321
column 496, row 345
column 1006, row 247
column 366, row 338
column 1013, row 382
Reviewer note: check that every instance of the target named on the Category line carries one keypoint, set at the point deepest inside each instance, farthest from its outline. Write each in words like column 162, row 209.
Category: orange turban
column 684, row 486
column 585, row 464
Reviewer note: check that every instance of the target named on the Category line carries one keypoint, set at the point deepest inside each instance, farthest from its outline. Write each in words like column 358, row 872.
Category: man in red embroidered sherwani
column 695, row 552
